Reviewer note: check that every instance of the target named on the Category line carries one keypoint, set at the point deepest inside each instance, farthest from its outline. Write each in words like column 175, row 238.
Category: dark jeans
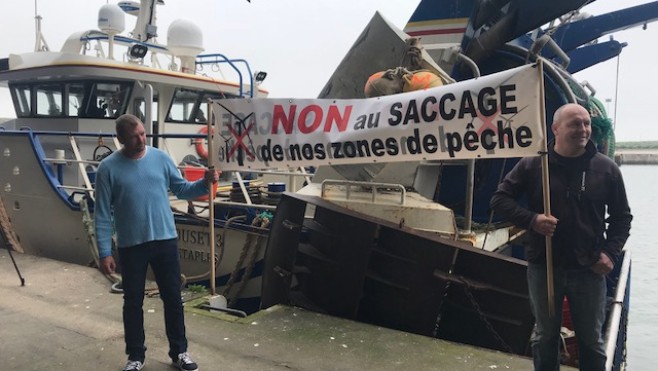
column 163, row 258
column 586, row 293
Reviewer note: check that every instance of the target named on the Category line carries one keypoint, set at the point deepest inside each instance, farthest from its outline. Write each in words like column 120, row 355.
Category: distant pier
column 636, row 157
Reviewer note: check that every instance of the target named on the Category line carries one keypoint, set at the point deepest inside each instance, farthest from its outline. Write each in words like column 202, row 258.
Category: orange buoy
column 383, row 83
column 421, row 80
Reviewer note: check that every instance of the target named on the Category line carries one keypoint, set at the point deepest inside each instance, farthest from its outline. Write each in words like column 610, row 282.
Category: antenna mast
column 40, row 44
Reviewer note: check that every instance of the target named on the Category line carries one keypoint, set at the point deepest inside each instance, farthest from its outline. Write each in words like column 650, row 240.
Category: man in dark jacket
column 583, row 184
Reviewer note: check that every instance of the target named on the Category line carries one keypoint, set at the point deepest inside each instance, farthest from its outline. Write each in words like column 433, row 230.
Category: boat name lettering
column 194, row 255
column 197, row 237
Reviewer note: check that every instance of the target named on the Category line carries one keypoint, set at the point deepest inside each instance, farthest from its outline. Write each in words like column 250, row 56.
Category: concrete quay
column 65, row 318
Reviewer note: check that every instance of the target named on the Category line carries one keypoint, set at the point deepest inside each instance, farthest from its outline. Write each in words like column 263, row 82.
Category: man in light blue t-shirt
column 132, row 197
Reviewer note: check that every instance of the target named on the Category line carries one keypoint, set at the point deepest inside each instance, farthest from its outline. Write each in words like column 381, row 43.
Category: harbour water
column 642, row 188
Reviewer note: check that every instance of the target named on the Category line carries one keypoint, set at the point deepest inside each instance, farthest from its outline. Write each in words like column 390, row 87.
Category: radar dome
column 111, row 19
column 184, row 38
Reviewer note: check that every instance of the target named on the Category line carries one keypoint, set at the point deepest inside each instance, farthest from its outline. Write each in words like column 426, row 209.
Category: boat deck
column 66, row 317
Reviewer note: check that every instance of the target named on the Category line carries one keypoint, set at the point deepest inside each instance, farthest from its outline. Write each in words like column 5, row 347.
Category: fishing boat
column 410, row 245
column 66, row 102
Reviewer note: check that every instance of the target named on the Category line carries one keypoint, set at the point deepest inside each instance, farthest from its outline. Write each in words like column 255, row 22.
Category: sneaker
column 185, row 363
column 133, row 366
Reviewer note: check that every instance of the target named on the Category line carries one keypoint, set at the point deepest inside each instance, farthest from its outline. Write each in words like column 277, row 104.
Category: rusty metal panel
column 281, row 250
column 359, row 267
column 401, row 290
column 335, row 255
column 487, row 304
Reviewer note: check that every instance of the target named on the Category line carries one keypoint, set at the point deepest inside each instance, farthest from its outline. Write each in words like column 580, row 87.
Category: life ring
column 201, row 149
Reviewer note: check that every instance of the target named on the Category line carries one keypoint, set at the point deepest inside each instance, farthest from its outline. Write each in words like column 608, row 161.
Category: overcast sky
column 300, row 42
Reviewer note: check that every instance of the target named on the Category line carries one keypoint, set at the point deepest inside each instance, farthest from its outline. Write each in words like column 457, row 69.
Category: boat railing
column 99, row 37
column 215, row 59
column 56, row 161
column 122, row 40
column 72, row 186
column 618, row 312
column 59, row 162
column 218, row 59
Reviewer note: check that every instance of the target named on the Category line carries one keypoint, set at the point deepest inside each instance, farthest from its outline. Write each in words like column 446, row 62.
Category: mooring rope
column 89, row 224
column 7, row 230
column 260, row 221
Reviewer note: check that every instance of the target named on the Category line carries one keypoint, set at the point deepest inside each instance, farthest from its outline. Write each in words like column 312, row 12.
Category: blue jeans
column 163, row 258
column 586, row 293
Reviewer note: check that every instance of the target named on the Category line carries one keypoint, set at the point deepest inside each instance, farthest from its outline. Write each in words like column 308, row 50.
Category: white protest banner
column 497, row 115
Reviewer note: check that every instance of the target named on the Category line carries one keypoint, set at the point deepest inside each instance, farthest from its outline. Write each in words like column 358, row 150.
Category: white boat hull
column 47, row 222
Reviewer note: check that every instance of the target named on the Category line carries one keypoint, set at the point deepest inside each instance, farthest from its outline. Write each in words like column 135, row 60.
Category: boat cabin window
column 75, row 93
column 106, row 100
column 139, row 108
column 49, row 100
column 83, row 99
column 190, row 106
column 21, row 95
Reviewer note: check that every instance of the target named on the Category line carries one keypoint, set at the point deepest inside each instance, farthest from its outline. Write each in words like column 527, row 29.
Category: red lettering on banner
column 279, row 116
column 334, row 116
column 239, row 142
column 317, row 118
column 313, row 113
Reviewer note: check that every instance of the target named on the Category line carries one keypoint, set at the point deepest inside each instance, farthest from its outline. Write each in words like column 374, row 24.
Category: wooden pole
column 211, row 200
column 547, row 196
column 549, row 242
